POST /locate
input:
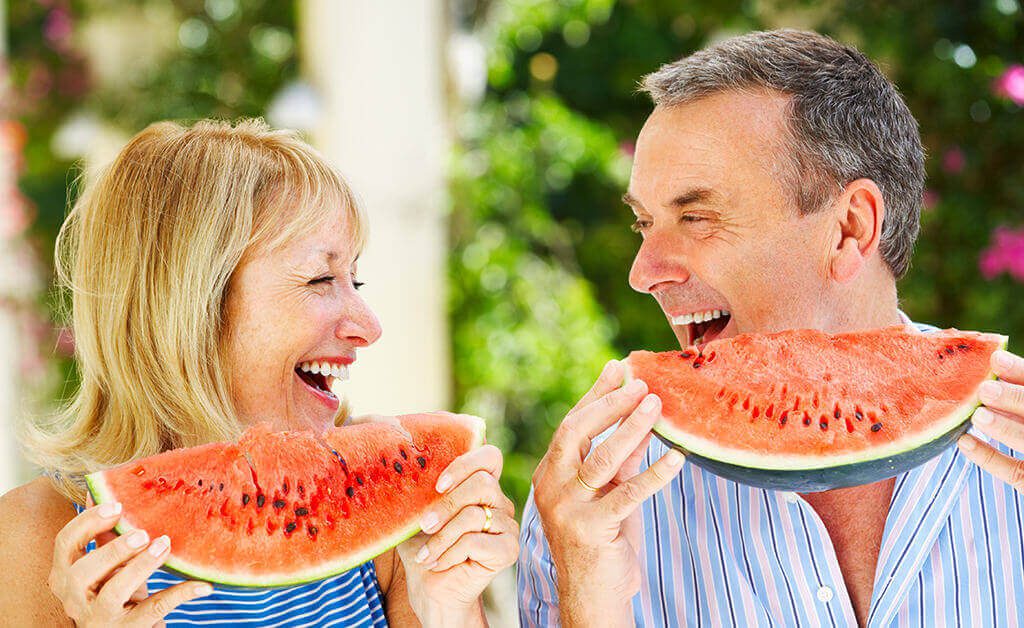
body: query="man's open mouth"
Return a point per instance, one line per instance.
(703, 326)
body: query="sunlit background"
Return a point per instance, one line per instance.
(490, 143)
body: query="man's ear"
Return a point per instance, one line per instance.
(859, 212)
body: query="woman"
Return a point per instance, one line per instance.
(206, 264)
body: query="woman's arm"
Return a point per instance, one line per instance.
(31, 515)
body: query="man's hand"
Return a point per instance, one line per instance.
(1001, 417)
(589, 504)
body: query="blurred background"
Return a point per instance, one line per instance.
(490, 143)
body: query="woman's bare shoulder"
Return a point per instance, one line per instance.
(37, 502)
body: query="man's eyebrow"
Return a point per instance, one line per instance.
(630, 200)
(694, 195)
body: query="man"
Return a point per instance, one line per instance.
(778, 182)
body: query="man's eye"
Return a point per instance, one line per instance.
(639, 225)
(690, 218)
(324, 279)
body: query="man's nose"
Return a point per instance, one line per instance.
(658, 261)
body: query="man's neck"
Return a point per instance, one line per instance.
(867, 302)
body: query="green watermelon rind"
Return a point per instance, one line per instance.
(818, 473)
(101, 493)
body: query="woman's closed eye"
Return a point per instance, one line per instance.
(329, 278)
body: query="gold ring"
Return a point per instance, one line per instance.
(487, 519)
(583, 483)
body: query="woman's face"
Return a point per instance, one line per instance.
(293, 323)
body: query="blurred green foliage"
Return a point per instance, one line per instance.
(544, 160)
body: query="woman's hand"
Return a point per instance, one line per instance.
(468, 537)
(1001, 417)
(107, 586)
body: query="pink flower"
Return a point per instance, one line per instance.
(954, 160)
(65, 342)
(1011, 84)
(931, 198)
(57, 27)
(627, 148)
(1004, 255)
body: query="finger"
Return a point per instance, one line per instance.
(624, 499)
(571, 441)
(1008, 367)
(1004, 396)
(121, 587)
(607, 458)
(155, 607)
(493, 551)
(631, 466)
(98, 565)
(609, 379)
(471, 519)
(1005, 428)
(487, 458)
(1007, 469)
(73, 538)
(478, 489)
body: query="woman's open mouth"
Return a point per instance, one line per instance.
(319, 378)
(703, 326)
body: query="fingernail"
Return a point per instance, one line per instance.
(159, 546)
(967, 443)
(609, 368)
(422, 554)
(635, 386)
(432, 564)
(204, 589)
(443, 482)
(983, 416)
(1003, 359)
(429, 521)
(649, 404)
(990, 391)
(674, 458)
(137, 539)
(110, 509)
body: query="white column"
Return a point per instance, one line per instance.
(379, 68)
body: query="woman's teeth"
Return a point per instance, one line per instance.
(338, 371)
(699, 317)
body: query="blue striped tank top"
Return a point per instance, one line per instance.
(352, 599)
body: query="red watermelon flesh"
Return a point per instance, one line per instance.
(282, 508)
(803, 400)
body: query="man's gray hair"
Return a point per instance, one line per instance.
(847, 121)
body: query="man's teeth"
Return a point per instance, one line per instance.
(699, 317)
(337, 371)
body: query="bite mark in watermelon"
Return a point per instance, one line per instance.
(279, 509)
(806, 411)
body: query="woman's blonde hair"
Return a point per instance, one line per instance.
(147, 252)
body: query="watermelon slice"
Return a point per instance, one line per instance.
(807, 411)
(284, 508)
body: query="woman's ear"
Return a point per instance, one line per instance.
(859, 212)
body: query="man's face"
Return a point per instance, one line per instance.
(721, 233)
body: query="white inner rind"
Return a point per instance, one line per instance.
(102, 493)
(798, 462)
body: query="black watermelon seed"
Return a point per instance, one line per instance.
(359, 480)
(279, 503)
(962, 347)
(302, 490)
(404, 455)
(200, 482)
(782, 419)
(384, 461)
(696, 364)
(823, 425)
(420, 460)
(950, 350)
(221, 486)
(311, 530)
(875, 427)
(686, 355)
(837, 413)
(940, 355)
(398, 466)
(290, 527)
(351, 492)
(301, 512)
(260, 500)
(245, 499)
(859, 415)
(284, 487)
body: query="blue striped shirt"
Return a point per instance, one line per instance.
(718, 553)
(349, 599)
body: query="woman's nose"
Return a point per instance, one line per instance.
(359, 325)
